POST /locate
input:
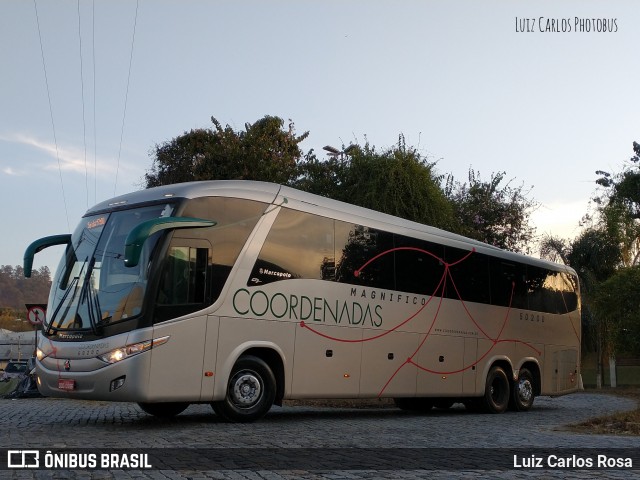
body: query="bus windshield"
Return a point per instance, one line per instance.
(92, 286)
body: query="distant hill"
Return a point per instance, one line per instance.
(15, 290)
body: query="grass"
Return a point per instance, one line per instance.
(622, 423)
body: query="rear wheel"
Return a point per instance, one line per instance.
(496, 392)
(522, 396)
(250, 392)
(165, 409)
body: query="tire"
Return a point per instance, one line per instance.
(496, 391)
(414, 404)
(522, 394)
(164, 410)
(250, 392)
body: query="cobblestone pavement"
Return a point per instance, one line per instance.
(71, 424)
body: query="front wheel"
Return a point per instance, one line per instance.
(496, 392)
(164, 409)
(523, 395)
(250, 392)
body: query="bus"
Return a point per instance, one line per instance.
(242, 294)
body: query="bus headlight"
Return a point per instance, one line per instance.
(40, 354)
(119, 354)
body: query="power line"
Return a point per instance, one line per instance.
(84, 123)
(126, 96)
(95, 128)
(53, 125)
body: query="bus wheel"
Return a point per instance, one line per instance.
(165, 409)
(413, 404)
(250, 392)
(496, 392)
(522, 395)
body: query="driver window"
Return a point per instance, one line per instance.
(184, 279)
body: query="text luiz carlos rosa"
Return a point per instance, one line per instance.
(573, 461)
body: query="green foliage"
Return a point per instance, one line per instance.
(15, 290)
(493, 211)
(616, 304)
(595, 256)
(618, 207)
(603, 254)
(397, 181)
(263, 151)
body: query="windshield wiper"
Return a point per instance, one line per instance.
(64, 297)
(73, 284)
(93, 307)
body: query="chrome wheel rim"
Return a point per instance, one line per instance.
(246, 389)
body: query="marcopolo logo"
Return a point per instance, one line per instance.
(23, 459)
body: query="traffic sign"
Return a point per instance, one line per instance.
(36, 313)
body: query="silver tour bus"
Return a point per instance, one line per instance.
(243, 294)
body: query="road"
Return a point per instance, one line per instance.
(311, 442)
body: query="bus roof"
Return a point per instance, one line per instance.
(299, 200)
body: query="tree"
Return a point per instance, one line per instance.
(397, 181)
(15, 290)
(616, 303)
(493, 211)
(618, 206)
(263, 151)
(595, 255)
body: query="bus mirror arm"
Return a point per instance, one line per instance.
(39, 245)
(136, 238)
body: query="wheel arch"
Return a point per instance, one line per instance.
(500, 361)
(272, 358)
(268, 352)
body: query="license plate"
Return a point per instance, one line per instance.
(67, 384)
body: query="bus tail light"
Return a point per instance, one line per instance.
(119, 354)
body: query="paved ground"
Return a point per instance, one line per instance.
(310, 443)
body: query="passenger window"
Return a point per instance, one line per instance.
(299, 245)
(235, 220)
(470, 276)
(356, 245)
(419, 268)
(508, 284)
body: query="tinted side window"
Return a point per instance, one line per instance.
(356, 245)
(419, 268)
(235, 219)
(508, 283)
(469, 280)
(299, 245)
(551, 291)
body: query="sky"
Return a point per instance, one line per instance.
(89, 87)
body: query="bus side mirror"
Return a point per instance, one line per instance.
(39, 245)
(136, 238)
